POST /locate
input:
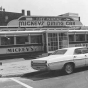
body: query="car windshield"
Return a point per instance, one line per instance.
(59, 52)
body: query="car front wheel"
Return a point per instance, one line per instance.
(68, 68)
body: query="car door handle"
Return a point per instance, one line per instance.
(85, 55)
(74, 56)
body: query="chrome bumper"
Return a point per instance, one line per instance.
(39, 65)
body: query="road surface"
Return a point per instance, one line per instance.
(56, 79)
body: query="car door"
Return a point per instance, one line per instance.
(79, 58)
(85, 52)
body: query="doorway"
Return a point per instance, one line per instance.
(63, 40)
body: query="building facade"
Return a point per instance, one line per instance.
(54, 30)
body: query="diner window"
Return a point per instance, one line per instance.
(71, 38)
(8, 40)
(36, 39)
(22, 40)
(80, 37)
(86, 37)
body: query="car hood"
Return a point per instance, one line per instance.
(51, 58)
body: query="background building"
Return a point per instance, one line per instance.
(75, 16)
(6, 17)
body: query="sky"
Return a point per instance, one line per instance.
(48, 7)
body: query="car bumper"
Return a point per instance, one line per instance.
(39, 66)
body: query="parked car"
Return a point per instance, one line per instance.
(67, 59)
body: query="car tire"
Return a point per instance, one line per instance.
(68, 68)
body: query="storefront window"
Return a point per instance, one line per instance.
(36, 39)
(63, 40)
(71, 38)
(80, 37)
(86, 37)
(52, 41)
(9, 40)
(22, 40)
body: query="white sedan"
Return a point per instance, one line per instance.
(67, 59)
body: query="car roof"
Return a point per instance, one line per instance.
(70, 50)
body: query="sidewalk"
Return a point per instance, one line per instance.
(16, 68)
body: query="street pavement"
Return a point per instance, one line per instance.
(15, 68)
(78, 79)
(18, 73)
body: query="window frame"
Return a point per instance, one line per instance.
(22, 36)
(38, 35)
(7, 40)
(81, 49)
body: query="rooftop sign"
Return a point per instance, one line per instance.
(46, 21)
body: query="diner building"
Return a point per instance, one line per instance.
(54, 29)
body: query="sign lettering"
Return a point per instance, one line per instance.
(45, 23)
(70, 23)
(82, 44)
(77, 45)
(21, 49)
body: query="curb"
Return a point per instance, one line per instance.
(14, 75)
(17, 75)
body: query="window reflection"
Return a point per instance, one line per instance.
(71, 37)
(22, 40)
(7, 40)
(36, 39)
(80, 37)
(63, 51)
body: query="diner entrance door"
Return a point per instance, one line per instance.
(57, 41)
(63, 40)
(52, 41)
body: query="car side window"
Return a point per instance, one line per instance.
(85, 50)
(78, 51)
